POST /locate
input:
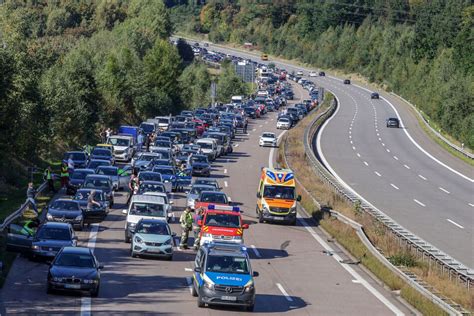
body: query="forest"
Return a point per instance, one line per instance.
(70, 68)
(420, 49)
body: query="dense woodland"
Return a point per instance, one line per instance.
(421, 49)
(70, 68)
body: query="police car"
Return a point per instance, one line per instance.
(223, 276)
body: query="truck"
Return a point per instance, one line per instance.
(129, 130)
(222, 223)
(276, 196)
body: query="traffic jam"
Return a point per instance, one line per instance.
(149, 165)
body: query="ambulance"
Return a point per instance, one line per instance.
(276, 196)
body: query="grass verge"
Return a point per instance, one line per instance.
(376, 232)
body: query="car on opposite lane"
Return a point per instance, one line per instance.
(393, 122)
(75, 269)
(268, 139)
(283, 123)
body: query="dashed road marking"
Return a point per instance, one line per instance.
(365, 163)
(394, 186)
(226, 184)
(395, 157)
(352, 142)
(406, 166)
(383, 144)
(353, 147)
(377, 173)
(388, 150)
(454, 223)
(282, 290)
(358, 155)
(225, 171)
(188, 269)
(254, 130)
(86, 301)
(236, 145)
(444, 190)
(418, 202)
(470, 204)
(189, 281)
(257, 253)
(260, 126)
(422, 177)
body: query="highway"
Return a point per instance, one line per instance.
(297, 274)
(402, 172)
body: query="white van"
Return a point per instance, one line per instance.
(208, 147)
(124, 147)
(144, 206)
(164, 122)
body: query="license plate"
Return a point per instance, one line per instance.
(229, 298)
(72, 286)
(279, 218)
(50, 249)
(154, 250)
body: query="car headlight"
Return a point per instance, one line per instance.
(49, 217)
(35, 247)
(208, 284)
(293, 210)
(207, 235)
(166, 181)
(138, 240)
(58, 279)
(266, 209)
(168, 242)
(79, 217)
(87, 281)
(237, 237)
(249, 288)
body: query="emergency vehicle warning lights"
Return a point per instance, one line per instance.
(223, 208)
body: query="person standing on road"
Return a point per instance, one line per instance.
(70, 165)
(48, 176)
(30, 196)
(64, 176)
(197, 227)
(140, 139)
(186, 221)
(133, 184)
(245, 126)
(108, 133)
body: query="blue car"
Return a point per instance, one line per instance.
(79, 158)
(101, 153)
(223, 276)
(152, 238)
(168, 174)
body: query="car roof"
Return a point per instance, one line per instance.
(107, 167)
(151, 182)
(225, 249)
(153, 220)
(121, 136)
(77, 250)
(141, 198)
(56, 225)
(98, 160)
(64, 200)
(97, 176)
(84, 170)
(89, 190)
(213, 192)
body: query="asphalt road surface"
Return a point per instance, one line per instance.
(402, 172)
(297, 274)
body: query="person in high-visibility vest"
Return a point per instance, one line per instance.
(186, 221)
(64, 176)
(48, 176)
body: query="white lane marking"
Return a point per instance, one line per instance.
(395, 157)
(380, 139)
(230, 200)
(383, 144)
(454, 223)
(350, 132)
(406, 166)
(260, 126)
(388, 150)
(257, 253)
(282, 290)
(226, 184)
(377, 173)
(270, 156)
(86, 301)
(365, 163)
(352, 142)
(266, 122)
(358, 155)
(189, 280)
(349, 269)
(254, 130)
(444, 190)
(350, 136)
(418, 202)
(353, 147)
(188, 269)
(356, 281)
(378, 134)
(394, 186)
(470, 204)
(422, 177)
(416, 144)
(225, 171)
(236, 145)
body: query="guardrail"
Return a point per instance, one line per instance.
(10, 218)
(435, 132)
(427, 251)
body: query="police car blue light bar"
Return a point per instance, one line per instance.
(223, 208)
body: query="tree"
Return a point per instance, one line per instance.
(229, 84)
(195, 83)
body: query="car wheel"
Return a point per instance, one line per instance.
(127, 239)
(49, 289)
(169, 258)
(81, 226)
(193, 290)
(200, 303)
(250, 308)
(260, 216)
(95, 292)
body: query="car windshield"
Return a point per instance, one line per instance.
(64, 205)
(227, 264)
(148, 187)
(199, 159)
(214, 198)
(149, 176)
(162, 144)
(198, 190)
(165, 171)
(79, 175)
(284, 120)
(279, 192)
(222, 220)
(163, 120)
(108, 171)
(97, 183)
(119, 141)
(268, 135)
(54, 233)
(95, 164)
(83, 195)
(147, 209)
(74, 260)
(205, 145)
(147, 128)
(147, 157)
(153, 228)
(206, 182)
(101, 152)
